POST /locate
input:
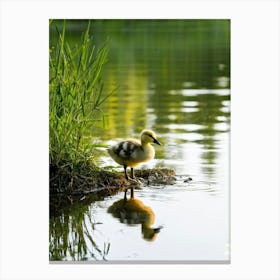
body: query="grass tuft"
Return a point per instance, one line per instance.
(76, 96)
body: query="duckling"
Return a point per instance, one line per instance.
(132, 152)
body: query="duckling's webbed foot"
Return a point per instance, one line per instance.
(134, 182)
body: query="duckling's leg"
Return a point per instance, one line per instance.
(132, 176)
(125, 166)
(126, 179)
(132, 173)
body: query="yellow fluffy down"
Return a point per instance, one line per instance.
(132, 152)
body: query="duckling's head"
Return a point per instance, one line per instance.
(148, 136)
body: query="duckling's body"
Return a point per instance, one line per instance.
(132, 152)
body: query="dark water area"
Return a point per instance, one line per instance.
(171, 76)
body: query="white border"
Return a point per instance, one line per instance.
(254, 138)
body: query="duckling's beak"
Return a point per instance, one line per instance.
(156, 141)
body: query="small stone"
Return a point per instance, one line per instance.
(189, 179)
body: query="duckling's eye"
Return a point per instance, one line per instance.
(151, 136)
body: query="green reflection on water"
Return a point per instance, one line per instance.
(72, 229)
(150, 58)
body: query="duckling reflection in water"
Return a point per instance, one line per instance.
(132, 152)
(133, 211)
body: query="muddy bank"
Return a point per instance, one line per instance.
(99, 184)
(65, 181)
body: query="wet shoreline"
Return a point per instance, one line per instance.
(105, 183)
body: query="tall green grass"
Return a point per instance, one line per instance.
(75, 97)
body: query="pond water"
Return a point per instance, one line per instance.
(173, 77)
